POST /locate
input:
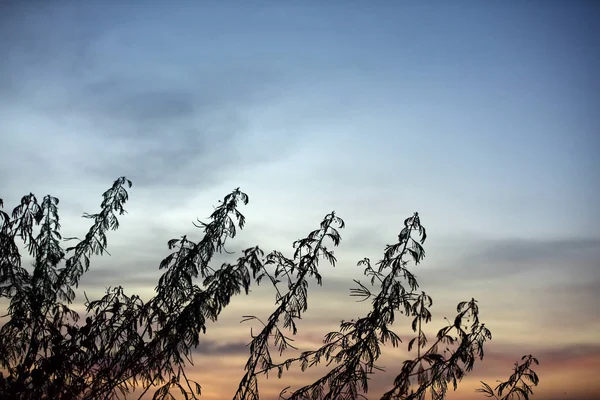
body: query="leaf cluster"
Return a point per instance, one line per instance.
(519, 384)
(49, 351)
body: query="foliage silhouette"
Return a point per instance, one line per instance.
(124, 344)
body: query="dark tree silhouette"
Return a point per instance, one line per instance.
(47, 352)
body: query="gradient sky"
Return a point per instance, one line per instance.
(481, 116)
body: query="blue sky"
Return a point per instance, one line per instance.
(482, 116)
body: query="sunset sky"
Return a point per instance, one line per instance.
(481, 116)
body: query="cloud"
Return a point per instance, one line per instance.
(524, 251)
(143, 103)
(101, 99)
(550, 356)
(494, 260)
(211, 347)
(154, 136)
(99, 276)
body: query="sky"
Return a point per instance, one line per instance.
(481, 116)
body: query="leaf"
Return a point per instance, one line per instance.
(458, 322)
(486, 389)
(410, 344)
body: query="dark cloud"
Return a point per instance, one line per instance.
(175, 136)
(504, 352)
(102, 277)
(563, 354)
(497, 259)
(211, 347)
(125, 100)
(112, 66)
(524, 251)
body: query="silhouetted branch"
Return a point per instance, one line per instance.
(518, 384)
(124, 343)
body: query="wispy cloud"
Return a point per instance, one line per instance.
(501, 259)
